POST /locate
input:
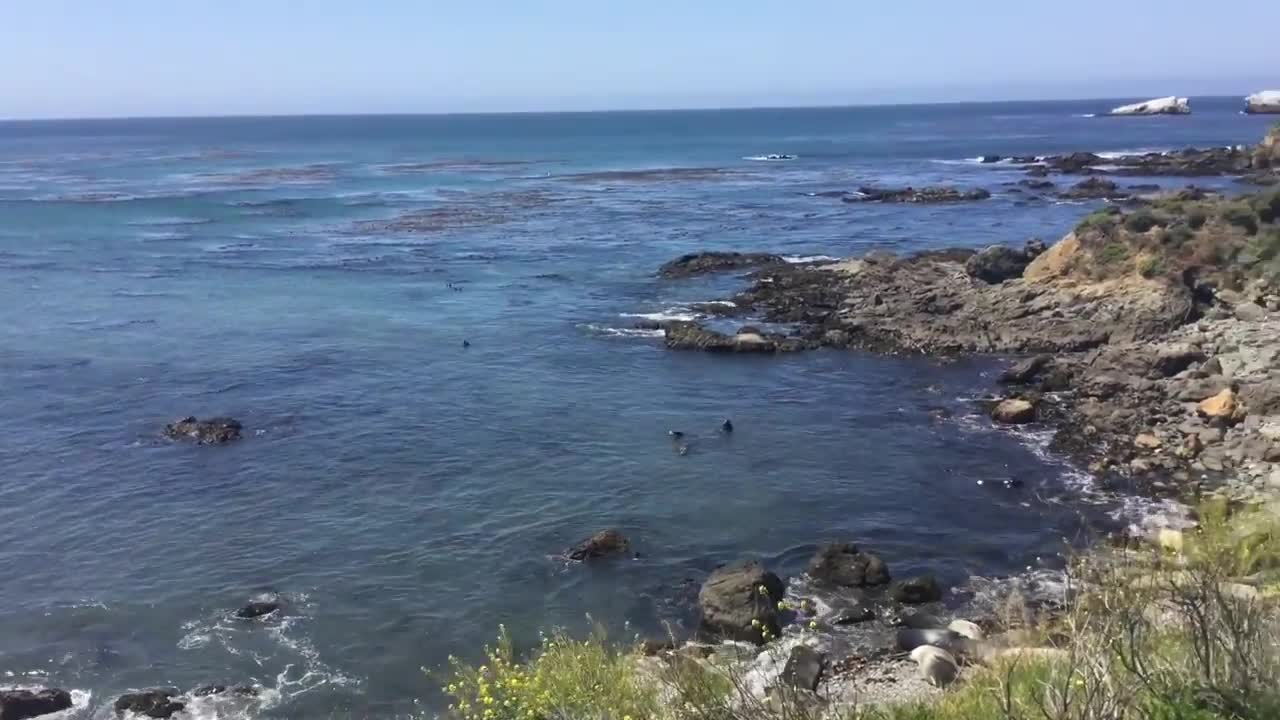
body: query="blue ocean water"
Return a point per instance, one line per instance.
(316, 278)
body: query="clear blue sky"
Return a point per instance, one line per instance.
(76, 58)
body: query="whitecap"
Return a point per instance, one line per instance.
(621, 332)
(771, 157)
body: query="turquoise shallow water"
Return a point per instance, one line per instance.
(405, 494)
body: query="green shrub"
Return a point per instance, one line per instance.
(1102, 220)
(1196, 218)
(1242, 216)
(1140, 221)
(1150, 266)
(1177, 235)
(1112, 253)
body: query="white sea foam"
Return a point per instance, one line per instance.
(621, 332)
(772, 157)
(807, 259)
(669, 315)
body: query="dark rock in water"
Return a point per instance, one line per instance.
(989, 159)
(916, 195)
(740, 602)
(1025, 371)
(603, 543)
(257, 609)
(1024, 159)
(708, 262)
(726, 426)
(1074, 163)
(916, 590)
(24, 704)
(1014, 411)
(214, 431)
(1038, 184)
(853, 615)
(1037, 171)
(804, 668)
(843, 564)
(152, 703)
(242, 690)
(1094, 189)
(1034, 248)
(997, 263)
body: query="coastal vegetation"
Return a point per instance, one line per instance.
(1184, 629)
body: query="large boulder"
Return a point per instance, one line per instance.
(213, 431)
(843, 564)
(916, 590)
(603, 543)
(1171, 105)
(692, 336)
(151, 703)
(708, 262)
(1014, 411)
(804, 668)
(740, 602)
(1094, 188)
(24, 704)
(997, 263)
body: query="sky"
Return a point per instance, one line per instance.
(111, 58)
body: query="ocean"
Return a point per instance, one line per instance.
(316, 277)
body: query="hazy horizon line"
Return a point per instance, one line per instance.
(593, 111)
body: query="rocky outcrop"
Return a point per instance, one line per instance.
(1094, 188)
(997, 263)
(708, 262)
(602, 544)
(692, 336)
(741, 602)
(214, 431)
(916, 195)
(24, 704)
(843, 564)
(1265, 102)
(149, 703)
(804, 668)
(1171, 105)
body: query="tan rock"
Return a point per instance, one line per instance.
(1147, 441)
(1055, 261)
(1222, 406)
(1014, 411)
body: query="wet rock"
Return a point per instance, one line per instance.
(1025, 371)
(657, 646)
(845, 565)
(24, 704)
(708, 262)
(804, 668)
(916, 590)
(741, 602)
(214, 431)
(151, 703)
(1014, 411)
(997, 263)
(691, 336)
(602, 544)
(853, 615)
(916, 195)
(257, 609)
(1094, 189)
(1038, 184)
(241, 690)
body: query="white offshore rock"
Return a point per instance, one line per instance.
(1171, 105)
(1267, 101)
